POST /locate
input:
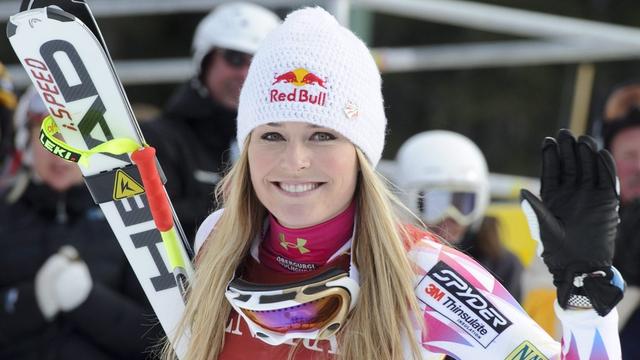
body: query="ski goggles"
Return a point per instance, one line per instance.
(315, 308)
(435, 205)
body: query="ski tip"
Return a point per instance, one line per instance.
(33, 17)
(56, 13)
(11, 29)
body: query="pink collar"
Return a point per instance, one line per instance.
(296, 250)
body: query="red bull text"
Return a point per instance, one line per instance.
(299, 78)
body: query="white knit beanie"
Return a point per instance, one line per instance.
(312, 69)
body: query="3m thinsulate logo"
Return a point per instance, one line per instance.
(448, 293)
(299, 85)
(434, 292)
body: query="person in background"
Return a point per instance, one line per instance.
(621, 135)
(7, 106)
(197, 127)
(443, 177)
(66, 289)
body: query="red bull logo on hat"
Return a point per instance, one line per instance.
(303, 86)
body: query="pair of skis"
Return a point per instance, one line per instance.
(61, 48)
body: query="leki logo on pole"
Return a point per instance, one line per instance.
(59, 148)
(298, 245)
(306, 87)
(125, 186)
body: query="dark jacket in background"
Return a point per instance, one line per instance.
(192, 139)
(484, 246)
(627, 260)
(627, 254)
(115, 322)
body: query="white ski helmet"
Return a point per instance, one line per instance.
(236, 26)
(443, 174)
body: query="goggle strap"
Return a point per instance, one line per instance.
(243, 285)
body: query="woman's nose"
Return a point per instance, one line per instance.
(297, 156)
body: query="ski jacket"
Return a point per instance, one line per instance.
(115, 322)
(192, 139)
(466, 312)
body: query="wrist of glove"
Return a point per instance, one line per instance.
(63, 283)
(599, 289)
(575, 222)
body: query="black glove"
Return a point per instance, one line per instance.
(575, 223)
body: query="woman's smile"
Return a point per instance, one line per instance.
(297, 189)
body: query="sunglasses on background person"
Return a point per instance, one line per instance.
(236, 59)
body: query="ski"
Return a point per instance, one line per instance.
(78, 8)
(72, 71)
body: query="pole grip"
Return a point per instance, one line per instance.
(145, 160)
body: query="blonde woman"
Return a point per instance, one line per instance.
(308, 258)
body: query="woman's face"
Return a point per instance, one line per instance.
(302, 173)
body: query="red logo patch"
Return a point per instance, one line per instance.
(434, 292)
(303, 86)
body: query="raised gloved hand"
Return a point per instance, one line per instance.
(62, 283)
(575, 223)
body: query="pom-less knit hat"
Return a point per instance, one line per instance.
(312, 69)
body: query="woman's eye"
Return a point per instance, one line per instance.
(272, 136)
(323, 136)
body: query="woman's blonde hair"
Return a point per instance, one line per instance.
(387, 308)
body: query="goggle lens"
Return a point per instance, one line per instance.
(309, 316)
(464, 202)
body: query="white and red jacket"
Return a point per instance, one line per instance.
(466, 312)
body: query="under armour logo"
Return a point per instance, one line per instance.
(298, 245)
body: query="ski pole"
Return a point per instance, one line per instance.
(145, 159)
